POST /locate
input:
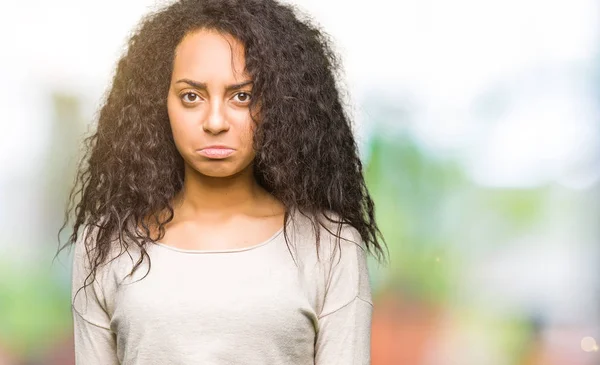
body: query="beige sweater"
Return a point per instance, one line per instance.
(242, 306)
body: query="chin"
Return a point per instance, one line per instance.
(219, 168)
(217, 174)
(227, 170)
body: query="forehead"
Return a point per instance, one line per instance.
(208, 54)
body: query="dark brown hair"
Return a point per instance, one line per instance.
(306, 154)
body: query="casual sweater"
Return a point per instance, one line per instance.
(268, 304)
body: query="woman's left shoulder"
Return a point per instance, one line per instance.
(336, 240)
(346, 263)
(341, 233)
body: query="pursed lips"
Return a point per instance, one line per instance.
(216, 151)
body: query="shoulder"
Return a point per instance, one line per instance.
(112, 259)
(325, 238)
(339, 274)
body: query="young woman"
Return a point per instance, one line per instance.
(224, 213)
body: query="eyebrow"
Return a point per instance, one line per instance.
(202, 85)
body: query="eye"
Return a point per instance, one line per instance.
(190, 97)
(243, 97)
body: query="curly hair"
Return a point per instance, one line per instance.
(306, 154)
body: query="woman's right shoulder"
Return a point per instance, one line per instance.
(115, 257)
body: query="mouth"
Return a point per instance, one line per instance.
(216, 152)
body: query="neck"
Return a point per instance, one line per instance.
(206, 195)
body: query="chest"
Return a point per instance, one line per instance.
(240, 235)
(214, 296)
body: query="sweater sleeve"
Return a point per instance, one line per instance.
(95, 343)
(344, 335)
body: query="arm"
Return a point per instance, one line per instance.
(95, 343)
(344, 335)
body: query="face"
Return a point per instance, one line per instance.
(208, 104)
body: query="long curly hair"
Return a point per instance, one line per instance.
(306, 154)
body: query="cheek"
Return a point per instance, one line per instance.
(247, 134)
(178, 122)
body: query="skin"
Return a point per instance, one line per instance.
(221, 206)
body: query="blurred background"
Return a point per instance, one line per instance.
(478, 123)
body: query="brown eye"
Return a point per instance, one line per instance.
(190, 97)
(243, 97)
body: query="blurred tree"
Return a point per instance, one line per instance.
(411, 192)
(35, 296)
(59, 171)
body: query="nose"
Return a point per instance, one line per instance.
(215, 122)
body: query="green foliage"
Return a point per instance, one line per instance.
(410, 190)
(430, 215)
(34, 306)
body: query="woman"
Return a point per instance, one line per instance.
(224, 165)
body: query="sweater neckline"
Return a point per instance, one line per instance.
(224, 251)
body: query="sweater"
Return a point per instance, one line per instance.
(268, 304)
